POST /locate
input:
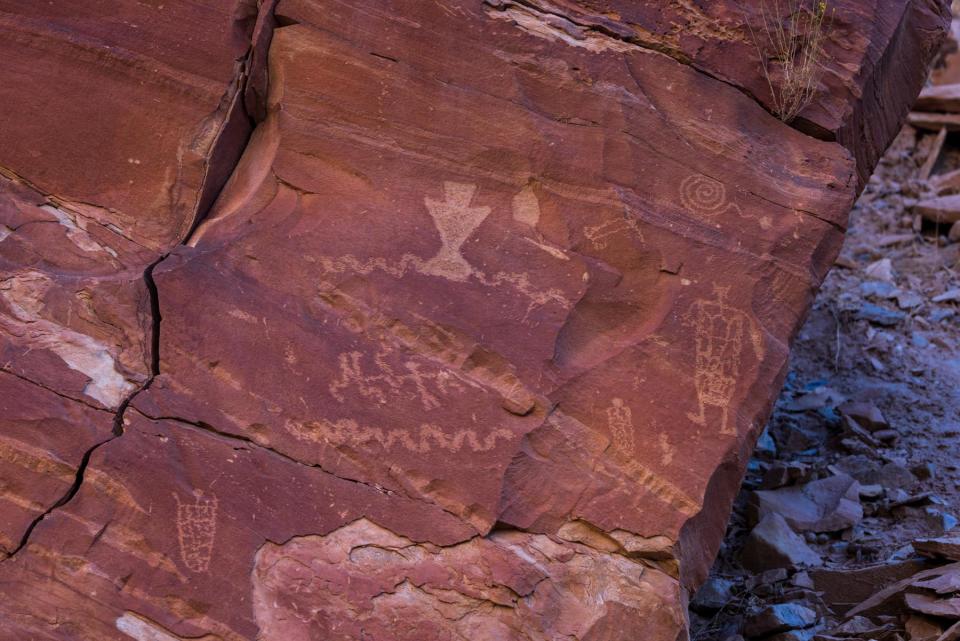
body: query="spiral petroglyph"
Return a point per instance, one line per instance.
(704, 195)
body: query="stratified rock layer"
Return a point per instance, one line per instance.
(473, 343)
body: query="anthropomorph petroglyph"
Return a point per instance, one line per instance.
(455, 220)
(719, 332)
(196, 530)
(420, 439)
(418, 381)
(622, 436)
(620, 421)
(705, 196)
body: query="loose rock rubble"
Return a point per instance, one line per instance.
(846, 527)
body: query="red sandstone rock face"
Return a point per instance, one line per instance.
(473, 344)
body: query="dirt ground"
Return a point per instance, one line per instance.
(885, 330)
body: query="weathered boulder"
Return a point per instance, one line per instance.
(473, 343)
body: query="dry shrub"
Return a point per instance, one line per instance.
(790, 44)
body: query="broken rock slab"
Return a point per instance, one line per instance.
(777, 618)
(773, 544)
(827, 505)
(436, 309)
(943, 210)
(947, 547)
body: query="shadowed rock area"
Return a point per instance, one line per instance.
(397, 319)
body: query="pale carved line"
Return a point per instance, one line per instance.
(622, 432)
(419, 440)
(196, 530)
(705, 196)
(719, 331)
(455, 220)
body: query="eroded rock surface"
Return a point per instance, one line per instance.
(473, 343)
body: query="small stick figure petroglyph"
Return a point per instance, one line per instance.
(620, 420)
(196, 529)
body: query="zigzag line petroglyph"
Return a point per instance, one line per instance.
(420, 439)
(455, 221)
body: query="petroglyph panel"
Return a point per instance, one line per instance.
(418, 380)
(456, 219)
(196, 529)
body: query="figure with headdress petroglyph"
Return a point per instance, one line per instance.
(455, 220)
(719, 331)
(196, 530)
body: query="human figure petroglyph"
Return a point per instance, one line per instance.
(388, 383)
(196, 530)
(705, 196)
(420, 439)
(620, 421)
(455, 218)
(719, 332)
(622, 434)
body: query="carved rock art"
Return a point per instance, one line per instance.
(722, 333)
(397, 319)
(455, 221)
(196, 530)
(705, 196)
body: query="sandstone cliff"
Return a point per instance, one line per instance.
(397, 319)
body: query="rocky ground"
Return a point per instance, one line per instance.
(858, 468)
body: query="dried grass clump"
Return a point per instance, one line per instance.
(791, 51)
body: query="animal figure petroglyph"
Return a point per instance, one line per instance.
(705, 196)
(719, 332)
(600, 235)
(388, 383)
(420, 439)
(455, 219)
(196, 530)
